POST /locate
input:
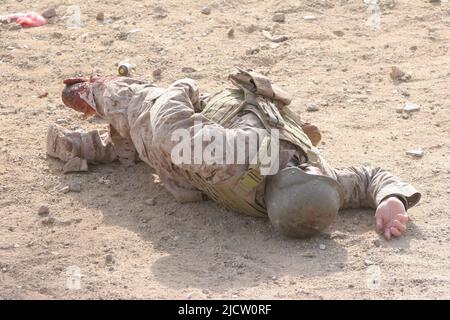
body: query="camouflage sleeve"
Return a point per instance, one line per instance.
(367, 187)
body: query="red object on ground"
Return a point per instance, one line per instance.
(30, 19)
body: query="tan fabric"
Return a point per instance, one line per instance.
(149, 115)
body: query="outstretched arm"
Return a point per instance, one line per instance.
(367, 187)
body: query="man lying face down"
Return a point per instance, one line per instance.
(241, 147)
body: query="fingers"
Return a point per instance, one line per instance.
(387, 233)
(395, 232)
(402, 218)
(399, 226)
(379, 223)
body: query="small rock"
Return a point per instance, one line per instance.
(127, 34)
(368, 262)
(398, 75)
(309, 18)
(157, 73)
(411, 107)
(276, 39)
(206, 10)
(376, 242)
(75, 187)
(43, 210)
(399, 110)
(351, 286)
(150, 202)
(338, 33)
(100, 16)
(49, 13)
(279, 17)
(188, 70)
(230, 33)
(109, 258)
(189, 296)
(417, 153)
(312, 107)
(250, 28)
(252, 51)
(65, 189)
(322, 247)
(405, 116)
(338, 235)
(61, 121)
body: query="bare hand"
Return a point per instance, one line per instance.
(391, 218)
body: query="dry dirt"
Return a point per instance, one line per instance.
(125, 248)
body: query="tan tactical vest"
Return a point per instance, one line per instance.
(239, 193)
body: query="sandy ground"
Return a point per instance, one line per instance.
(124, 248)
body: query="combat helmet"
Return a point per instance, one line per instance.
(300, 204)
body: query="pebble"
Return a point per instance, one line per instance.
(49, 13)
(338, 235)
(311, 107)
(206, 10)
(189, 296)
(61, 121)
(150, 202)
(411, 107)
(100, 16)
(322, 247)
(75, 187)
(376, 242)
(188, 70)
(309, 18)
(368, 262)
(276, 39)
(109, 258)
(157, 73)
(252, 51)
(399, 75)
(127, 34)
(230, 33)
(43, 210)
(338, 33)
(417, 153)
(279, 17)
